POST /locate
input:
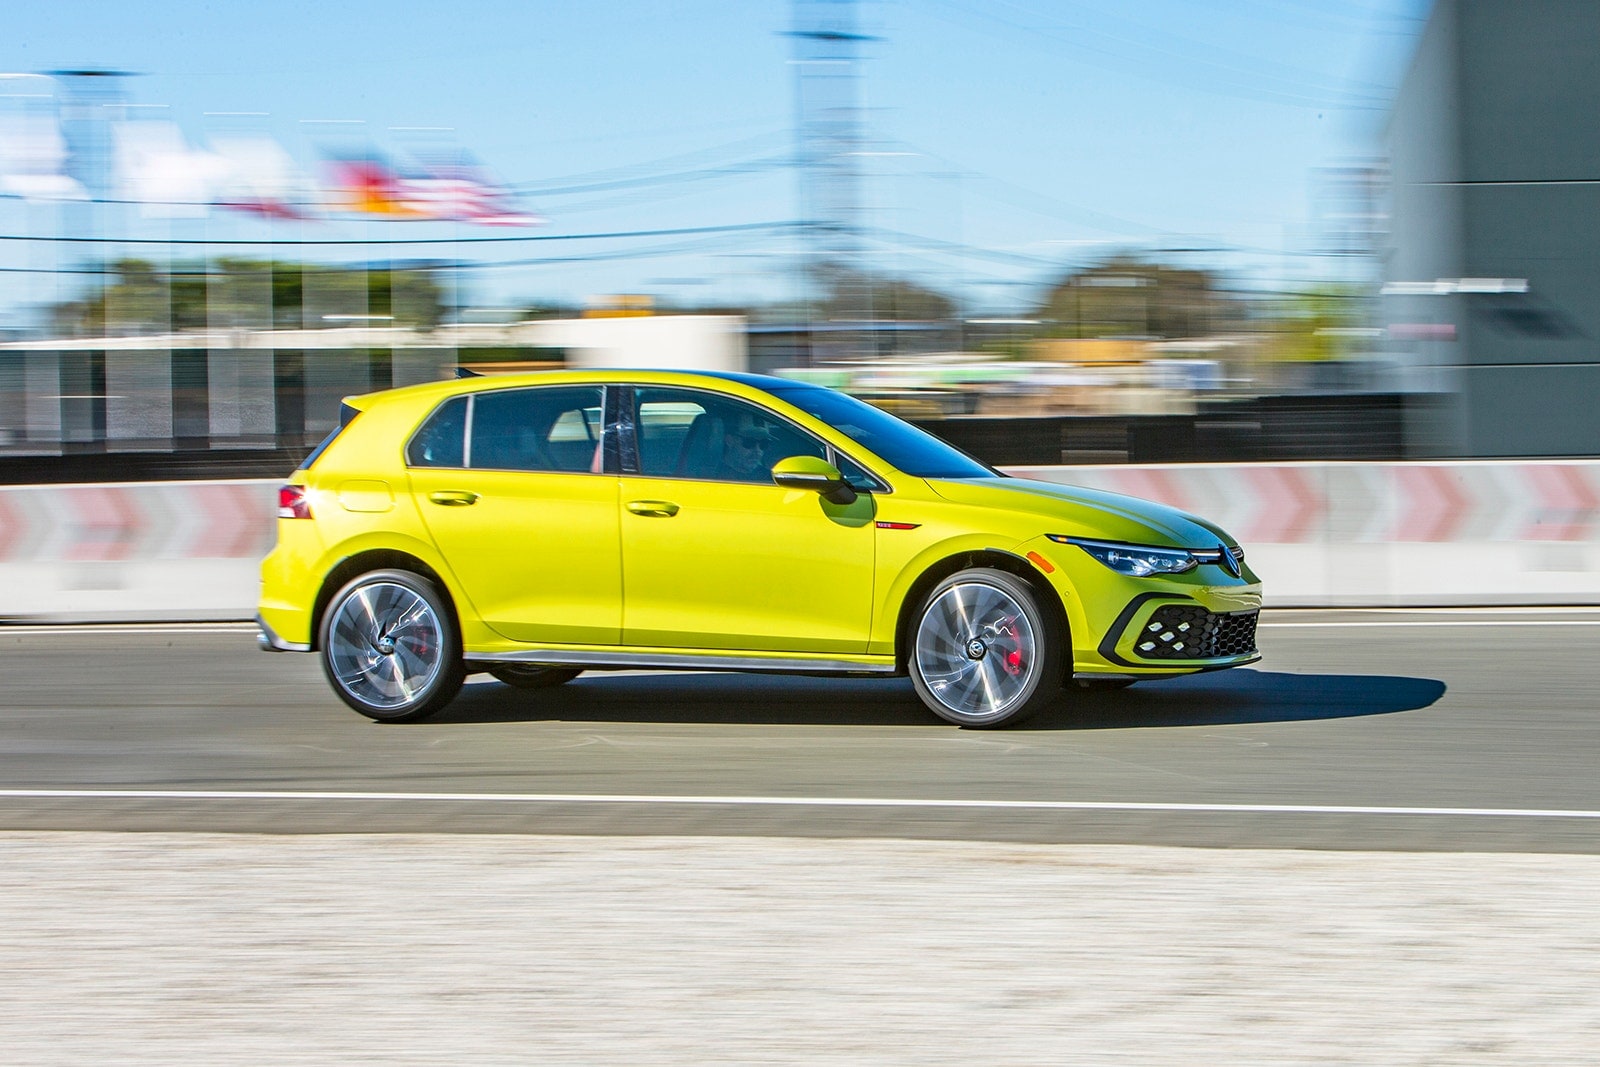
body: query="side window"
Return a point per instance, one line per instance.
(551, 428)
(442, 440)
(662, 428)
(688, 434)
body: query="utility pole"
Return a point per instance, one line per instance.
(833, 276)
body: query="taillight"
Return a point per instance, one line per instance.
(293, 502)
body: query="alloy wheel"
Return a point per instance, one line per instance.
(977, 651)
(386, 647)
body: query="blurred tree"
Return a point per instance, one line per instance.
(1127, 296)
(854, 295)
(139, 298)
(548, 310)
(1317, 325)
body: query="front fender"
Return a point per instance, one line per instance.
(900, 567)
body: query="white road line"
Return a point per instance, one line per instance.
(790, 802)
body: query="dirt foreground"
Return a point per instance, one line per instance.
(443, 949)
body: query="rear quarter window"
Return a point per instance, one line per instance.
(441, 440)
(347, 415)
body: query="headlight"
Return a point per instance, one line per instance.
(1136, 561)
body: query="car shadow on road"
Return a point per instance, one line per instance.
(723, 699)
(1226, 697)
(1239, 697)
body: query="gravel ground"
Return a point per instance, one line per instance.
(438, 949)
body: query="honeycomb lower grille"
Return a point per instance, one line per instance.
(1180, 631)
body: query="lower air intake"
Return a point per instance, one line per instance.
(1180, 631)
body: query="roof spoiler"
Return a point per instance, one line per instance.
(468, 372)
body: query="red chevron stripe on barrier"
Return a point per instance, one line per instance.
(12, 527)
(112, 523)
(108, 522)
(1568, 504)
(1154, 483)
(1476, 502)
(235, 525)
(1431, 503)
(1289, 507)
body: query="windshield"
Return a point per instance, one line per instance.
(899, 443)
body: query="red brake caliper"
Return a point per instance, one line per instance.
(1013, 658)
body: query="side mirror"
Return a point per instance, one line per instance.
(818, 475)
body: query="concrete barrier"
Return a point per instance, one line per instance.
(134, 551)
(1390, 534)
(1351, 534)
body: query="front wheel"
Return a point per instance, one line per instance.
(390, 646)
(985, 652)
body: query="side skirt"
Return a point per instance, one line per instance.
(674, 661)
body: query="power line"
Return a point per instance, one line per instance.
(381, 242)
(680, 160)
(1237, 85)
(744, 167)
(688, 248)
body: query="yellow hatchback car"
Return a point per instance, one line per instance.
(537, 525)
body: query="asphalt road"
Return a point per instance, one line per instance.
(1448, 730)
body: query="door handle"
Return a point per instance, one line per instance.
(661, 509)
(453, 498)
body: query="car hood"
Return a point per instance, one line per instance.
(1080, 512)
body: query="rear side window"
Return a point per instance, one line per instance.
(551, 428)
(442, 440)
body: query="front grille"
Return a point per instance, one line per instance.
(1184, 631)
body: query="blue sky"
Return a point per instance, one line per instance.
(1048, 131)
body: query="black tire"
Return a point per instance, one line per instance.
(390, 646)
(524, 676)
(983, 650)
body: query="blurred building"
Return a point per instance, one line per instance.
(1492, 277)
(241, 389)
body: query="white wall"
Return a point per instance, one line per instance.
(646, 342)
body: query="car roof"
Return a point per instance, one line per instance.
(759, 381)
(576, 376)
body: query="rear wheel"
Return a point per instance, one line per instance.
(390, 646)
(528, 677)
(985, 652)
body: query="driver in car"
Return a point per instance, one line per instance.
(744, 444)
